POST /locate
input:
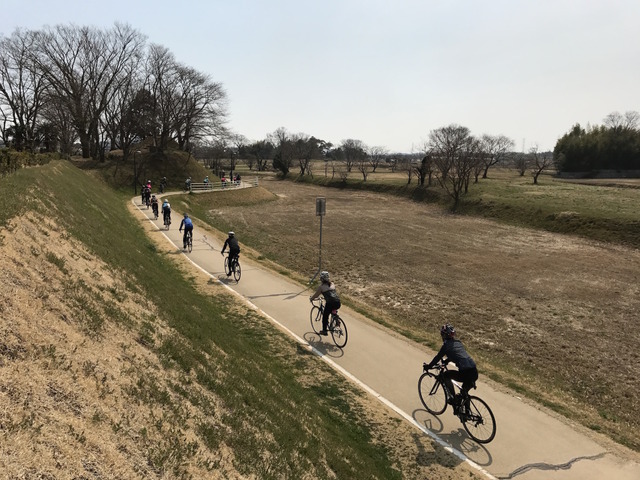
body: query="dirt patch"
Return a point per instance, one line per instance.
(546, 313)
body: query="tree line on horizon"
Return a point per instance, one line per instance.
(109, 89)
(105, 89)
(615, 145)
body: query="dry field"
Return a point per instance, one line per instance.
(551, 315)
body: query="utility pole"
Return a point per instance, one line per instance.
(321, 210)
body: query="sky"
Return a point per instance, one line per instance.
(389, 72)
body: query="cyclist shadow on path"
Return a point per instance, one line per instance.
(326, 347)
(458, 438)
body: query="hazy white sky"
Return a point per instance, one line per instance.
(388, 72)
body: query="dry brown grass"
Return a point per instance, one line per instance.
(72, 376)
(553, 315)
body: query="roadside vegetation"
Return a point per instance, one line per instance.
(126, 364)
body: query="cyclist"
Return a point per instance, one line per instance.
(154, 205)
(166, 211)
(187, 184)
(332, 301)
(188, 228)
(147, 195)
(163, 184)
(455, 352)
(234, 251)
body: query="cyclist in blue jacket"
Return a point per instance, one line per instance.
(188, 228)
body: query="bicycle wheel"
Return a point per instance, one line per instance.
(479, 421)
(432, 394)
(339, 331)
(316, 319)
(190, 242)
(237, 272)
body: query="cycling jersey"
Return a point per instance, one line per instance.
(186, 223)
(453, 349)
(233, 245)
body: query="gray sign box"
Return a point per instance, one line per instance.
(321, 206)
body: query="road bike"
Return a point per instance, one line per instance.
(234, 269)
(167, 220)
(189, 239)
(154, 207)
(336, 325)
(474, 413)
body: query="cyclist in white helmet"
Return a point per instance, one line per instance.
(332, 301)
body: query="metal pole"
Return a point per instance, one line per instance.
(320, 254)
(135, 175)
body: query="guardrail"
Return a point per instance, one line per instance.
(207, 187)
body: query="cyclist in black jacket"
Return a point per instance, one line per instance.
(453, 349)
(234, 251)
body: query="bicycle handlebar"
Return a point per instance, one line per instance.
(441, 366)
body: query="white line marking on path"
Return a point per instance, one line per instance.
(461, 456)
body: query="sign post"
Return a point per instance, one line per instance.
(321, 210)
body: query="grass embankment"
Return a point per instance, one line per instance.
(229, 394)
(601, 213)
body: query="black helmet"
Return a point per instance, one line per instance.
(447, 331)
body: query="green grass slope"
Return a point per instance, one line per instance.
(278, 411)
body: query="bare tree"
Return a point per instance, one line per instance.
(364, 166)
(454, 151)
(521, 163)
(305, 148)
(284, 152)
(376, 156)
(22, 89)
(200, 109)
(495, 149)
(540, 162)
(352, 150)
(82, 67)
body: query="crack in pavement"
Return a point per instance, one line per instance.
(549, 466)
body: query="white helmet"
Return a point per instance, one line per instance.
(231, 234)
(324, 276)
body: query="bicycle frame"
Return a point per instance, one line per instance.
(319, 302)
(442, 367)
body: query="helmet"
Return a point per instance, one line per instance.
(186, 215)
(153, 196)
(447, 331)
(324, 276)
(231, 234)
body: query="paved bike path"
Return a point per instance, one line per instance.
(529, 444)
